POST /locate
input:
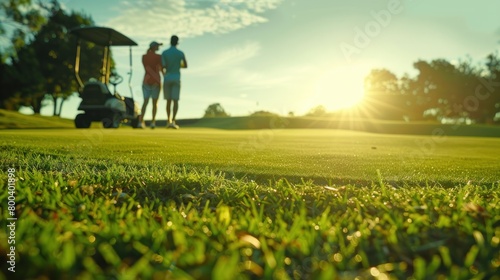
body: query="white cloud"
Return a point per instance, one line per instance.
(228, 59)
(188, 18)
(232, 64)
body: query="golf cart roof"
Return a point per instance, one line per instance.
(103, 36)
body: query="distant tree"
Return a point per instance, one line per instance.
(448, 90)
(489, 95)
(424, 87)
(493, 66)
(263, 113)
(445, 87)
(440, 87)
(381, 82)
(465, 80)
(318, 111)
(214, 111)
(384, 98)
(415, 104)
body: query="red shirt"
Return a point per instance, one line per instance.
(152, 66)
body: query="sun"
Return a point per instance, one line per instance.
(339, 87)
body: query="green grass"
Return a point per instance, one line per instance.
(239, 204)
(346, 123)
(325, 156)
(14, 120)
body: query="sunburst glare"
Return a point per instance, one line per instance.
(339, 87)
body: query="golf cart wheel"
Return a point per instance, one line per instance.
(82, 121)
(112, 121)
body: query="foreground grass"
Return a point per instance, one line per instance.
(173, 206)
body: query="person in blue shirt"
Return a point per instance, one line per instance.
(172, 60)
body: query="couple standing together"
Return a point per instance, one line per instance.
(169, 64)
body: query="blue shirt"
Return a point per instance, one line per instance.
(171, 60)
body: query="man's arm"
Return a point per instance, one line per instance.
(184, 63)
(163, 64)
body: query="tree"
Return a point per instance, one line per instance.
(448, 90)
(22, 81)
(384, 97)
(19, 19)
(55, 50)
(214, 111)
(43, 68)
(382, 82)
(318, 111)
(489, 95)
(445, 86)
(415, 104)
(263, 114)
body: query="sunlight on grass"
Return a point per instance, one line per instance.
(190, 205)
(192, 224)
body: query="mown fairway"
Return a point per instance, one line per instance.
(335, 156)
(283, 204)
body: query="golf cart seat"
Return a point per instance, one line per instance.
(94, 95)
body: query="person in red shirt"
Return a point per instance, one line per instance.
(152, 81)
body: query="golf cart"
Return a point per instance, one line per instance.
(98, 102)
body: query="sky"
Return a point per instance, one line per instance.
(290, 55)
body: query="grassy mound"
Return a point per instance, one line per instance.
(15, 120)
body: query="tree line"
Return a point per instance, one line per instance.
(37, 68)
(38, 56)
(441, 90)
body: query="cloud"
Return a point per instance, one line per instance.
(228, 59)
(231, 68)
(189, 18)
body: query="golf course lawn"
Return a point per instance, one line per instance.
(199, 203)
(335, 156)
